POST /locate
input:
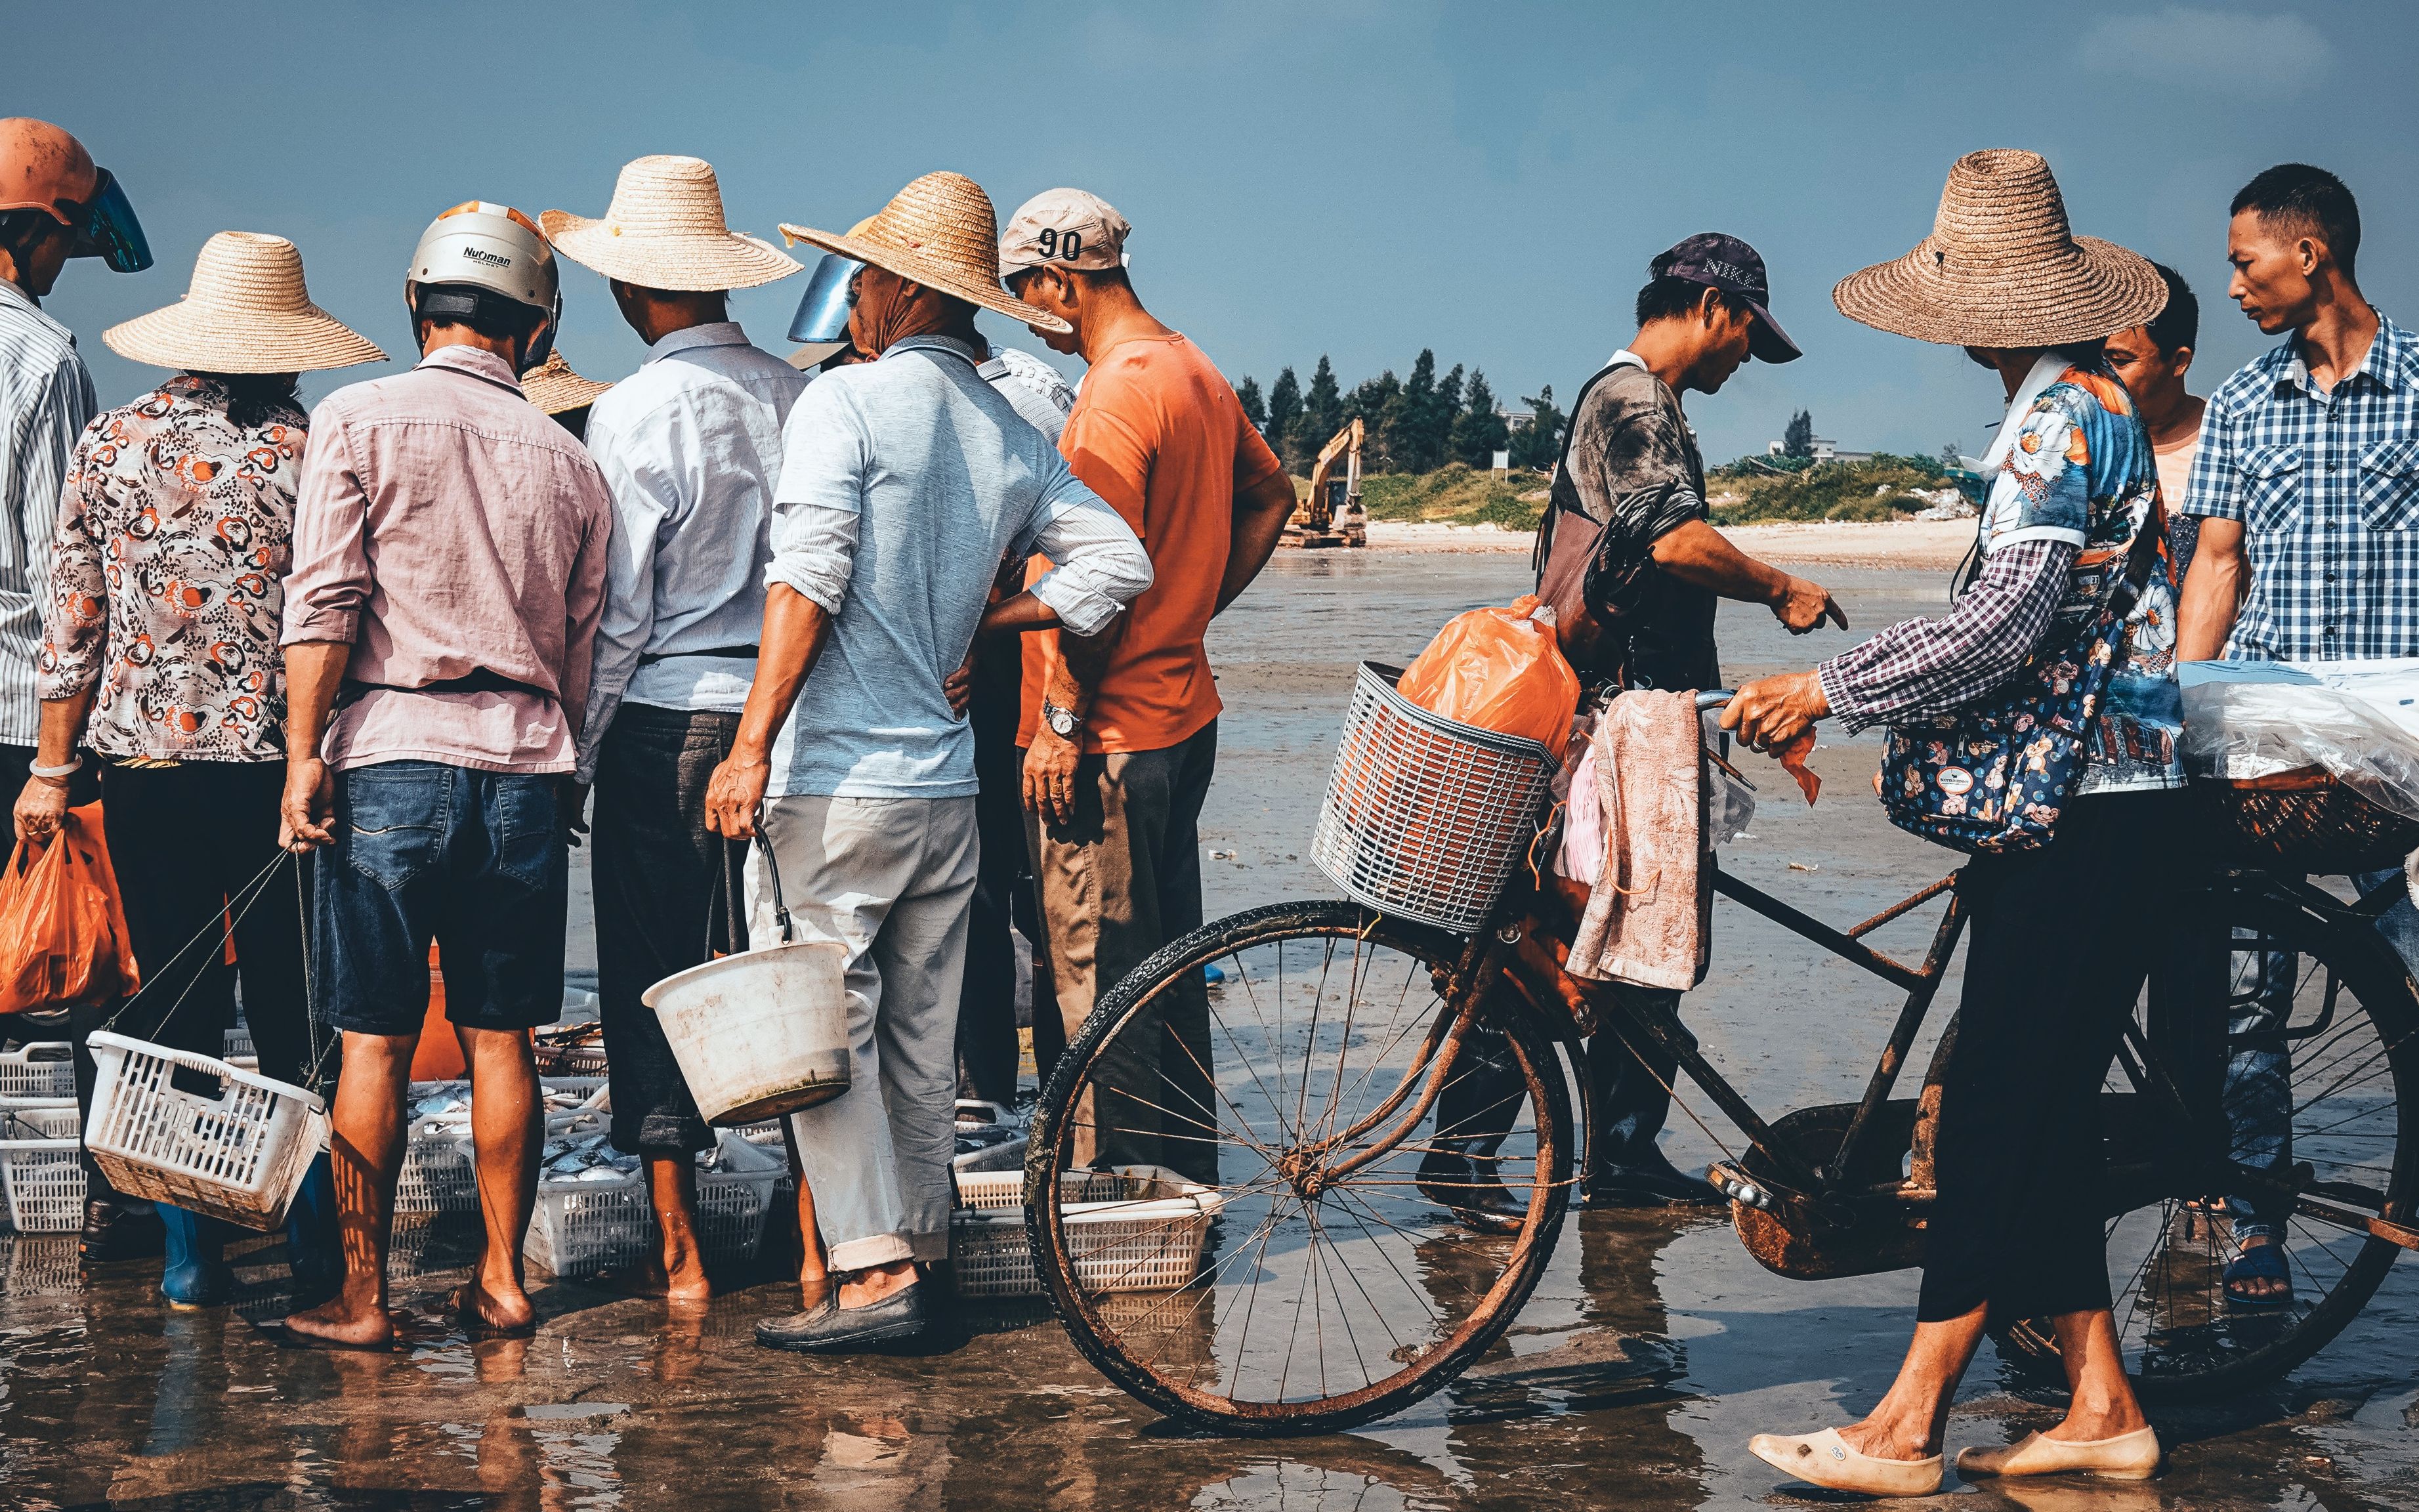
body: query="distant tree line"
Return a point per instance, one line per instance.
(1415, 424)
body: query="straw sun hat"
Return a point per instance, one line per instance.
(2003, 269)
(941, 232)
(246, 311)
(665, 229)
(553, 387)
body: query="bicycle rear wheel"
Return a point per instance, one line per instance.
(1332, 1288)
(2316, 1072)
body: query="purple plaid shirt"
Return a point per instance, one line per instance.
(1928, 666)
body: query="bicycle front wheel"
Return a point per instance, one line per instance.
(1262, 1086)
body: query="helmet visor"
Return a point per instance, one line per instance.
(822, 311)
(105, 227)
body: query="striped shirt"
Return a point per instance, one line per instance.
(2327, 488)
(46, 399)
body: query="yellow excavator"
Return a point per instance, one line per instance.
(1331, 513)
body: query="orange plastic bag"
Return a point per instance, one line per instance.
(62, 928)
(1499, 670)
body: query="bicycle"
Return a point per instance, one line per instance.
(1347, 1043)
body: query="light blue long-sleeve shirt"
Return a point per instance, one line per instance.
(904, 482)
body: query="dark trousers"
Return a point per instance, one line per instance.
(987, 1003)
(660, 907)
(2061, 941)
(1630, 1076)
(183, 842)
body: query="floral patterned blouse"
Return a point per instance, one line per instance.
(167, 578)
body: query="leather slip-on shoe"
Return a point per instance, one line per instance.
(2127, 1457)
(832, 1329)
(1825, 1459)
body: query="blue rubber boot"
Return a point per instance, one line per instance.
(312, 1240)
(197, 1274)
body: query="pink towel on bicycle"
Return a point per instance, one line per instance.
(1646, 921)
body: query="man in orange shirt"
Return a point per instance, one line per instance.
(1121, 731)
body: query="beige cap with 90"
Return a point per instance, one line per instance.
(1063, 228)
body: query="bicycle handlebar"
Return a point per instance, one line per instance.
(1714, 698)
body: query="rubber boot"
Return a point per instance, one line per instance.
(197, 1274)
(313, 1244)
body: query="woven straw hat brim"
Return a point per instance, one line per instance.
(557, 390)
(689, 262)
(2101, 289)
(917, 266)
(217, 340)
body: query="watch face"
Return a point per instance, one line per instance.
(1061, 722)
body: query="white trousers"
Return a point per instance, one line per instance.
(891, 880)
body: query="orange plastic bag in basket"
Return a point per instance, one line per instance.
(62, 929)
(1499, 670)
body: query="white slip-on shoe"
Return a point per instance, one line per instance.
(2127, 1457)
(1825, 1460)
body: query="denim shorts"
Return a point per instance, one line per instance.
(473, 859)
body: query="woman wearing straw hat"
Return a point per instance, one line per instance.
(2064, 931)
(904, 483)
(167, 588)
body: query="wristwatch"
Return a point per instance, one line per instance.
(1062, 722)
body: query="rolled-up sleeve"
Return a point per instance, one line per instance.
(1099, 565)
(331, 581)
(826, 456)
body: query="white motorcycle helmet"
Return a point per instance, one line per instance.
(479, 255)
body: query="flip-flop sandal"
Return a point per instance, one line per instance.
(2263, 1262)
(459, 1307)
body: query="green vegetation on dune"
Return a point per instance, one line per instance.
(1887, 487)
(1456, 494)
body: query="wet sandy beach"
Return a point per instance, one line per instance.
(1654, 1347)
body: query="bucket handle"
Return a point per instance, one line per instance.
(727, 891)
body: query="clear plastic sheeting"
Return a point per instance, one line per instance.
(2240, 726)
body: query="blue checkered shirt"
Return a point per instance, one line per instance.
(2327, 488)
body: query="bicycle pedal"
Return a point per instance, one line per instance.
(1734, 1185)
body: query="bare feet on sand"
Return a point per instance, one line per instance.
(348, 1322)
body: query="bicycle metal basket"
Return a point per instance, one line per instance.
(2306, 820)
(1427, 818)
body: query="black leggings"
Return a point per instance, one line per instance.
(2062, 939)
(182, 840)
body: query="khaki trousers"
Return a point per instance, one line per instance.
(1119, 880)
(889, 879)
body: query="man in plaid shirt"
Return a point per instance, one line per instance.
(2308, 475)
(2309, 484)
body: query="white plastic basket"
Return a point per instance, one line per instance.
(1425, 818)
(41, 1168)
(437, 1174)
(42, 1265)
(44, 1068)
(580, 1228)
(240, 1155)
(238, 1043)
(570, 1059)
(1133, 1228)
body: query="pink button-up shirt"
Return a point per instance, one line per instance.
(446, 528)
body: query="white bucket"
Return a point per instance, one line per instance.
(758, 1034)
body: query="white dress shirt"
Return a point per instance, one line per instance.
(46, 399)
(690, 445)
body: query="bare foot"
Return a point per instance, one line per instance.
(489, 1312)
(681, 1272)
(2259, 1287)
(343, 1324)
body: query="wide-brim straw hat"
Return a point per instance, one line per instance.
(2002, 267)
(246, 311)
(553, 387)
(941, 232)
(665, 229)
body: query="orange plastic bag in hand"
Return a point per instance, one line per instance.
(62, 928)
(1499, 670)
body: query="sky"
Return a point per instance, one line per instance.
(1358, 180)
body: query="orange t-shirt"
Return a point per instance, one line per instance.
(1157, 432)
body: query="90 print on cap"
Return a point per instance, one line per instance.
(1063, 228)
